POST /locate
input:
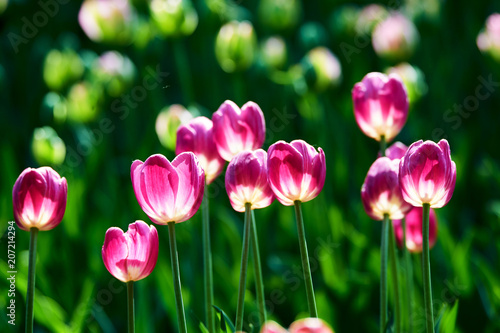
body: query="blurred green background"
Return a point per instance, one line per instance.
(102, 115)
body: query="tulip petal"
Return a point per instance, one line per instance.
(114, 253)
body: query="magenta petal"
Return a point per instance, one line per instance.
(114, 252)
(396, 151)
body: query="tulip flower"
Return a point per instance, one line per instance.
(427, 176)
(47, 147)
(488, 40)
(309, 325)
(39, 200)
(395, 38)
(272, 327)
(413, 235)
(247, 187)
(413, 79)
(170, 193)
(297, 174)
(380, 105)
(236, 46)
(197, 136)
(236, 129)
(396, 151)
(168, 122)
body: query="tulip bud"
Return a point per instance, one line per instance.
(369, 17)
(381, 193)
(395, 38)
(3, 5)
(272, 327)
(380, 105)
(326, 67)
(427, 174)
(413, 223)
(83, 102)
(413, 79)
(110, 21)
(197, 137)
(114, 71)
(235, 46)
(61, 68)
(488, 40)
(274, 53)
(246, 181)
(168, 121)
(396, 151)
(168, 192)
(296, 170)
(279, 14)
(236, 130)
(174, 18)
(131, 255)
(309, 325)
(47, 147)
(39, 199)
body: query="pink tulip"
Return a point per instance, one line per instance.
(39, 199)
(246, 180)
(396, 151)
(168, 192)
(237, 130)
(197, 137)
(296, 171)
(414, 230)
(381, 193)
(130, 256)
(272, 327)
(309, 325)
(427, 174)
(395, 38)
(380, 105)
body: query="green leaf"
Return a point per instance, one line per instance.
(226, 319)
(447, 319)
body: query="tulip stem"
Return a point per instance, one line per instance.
(383, 145)
(207, 264)
(30, 297)
(259, 283)
(306, 267)
(130, 308)
(181, 60)
(383, 273)
(395, 280)
(426, 270)
(243, 271)
(174, 258)
(409, 278)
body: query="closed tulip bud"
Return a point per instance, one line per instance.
(115, 71)
(131, 255)
(272, 327)
(83, 102)
(235, 46)
(413, 79)
(236, 130)
(396, 151)
(197, 137)
(413, 223)
(326, 67)
(310, 325)
(168, 121)
(274, 53)
(380, 105)
(381, 193)
(279, 14)
(47, 147)
(395, 38)
(488, 40)
(427, 174)
(296, 170)
(246, 181)
(39, 199)
(168, 192)
(108, 21)
(61, 68)
(174, 18)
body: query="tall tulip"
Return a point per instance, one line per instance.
(380, 106)
(297, 174)
(413, 237)
(197, 136)
(427, 176)
(236, 129)
(39, 200)
(130, 256)
(248, 188)
(170, 193)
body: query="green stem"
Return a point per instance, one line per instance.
(30, 297)
(409, 278)
(239, 86)
(207, 264)
(243, 271)
(426, 269)
(306, 267)
(395, 280)
(182, 64)
(130, 308)
(259, 283)
(383, 145)
(174, 258)
(383, 273)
